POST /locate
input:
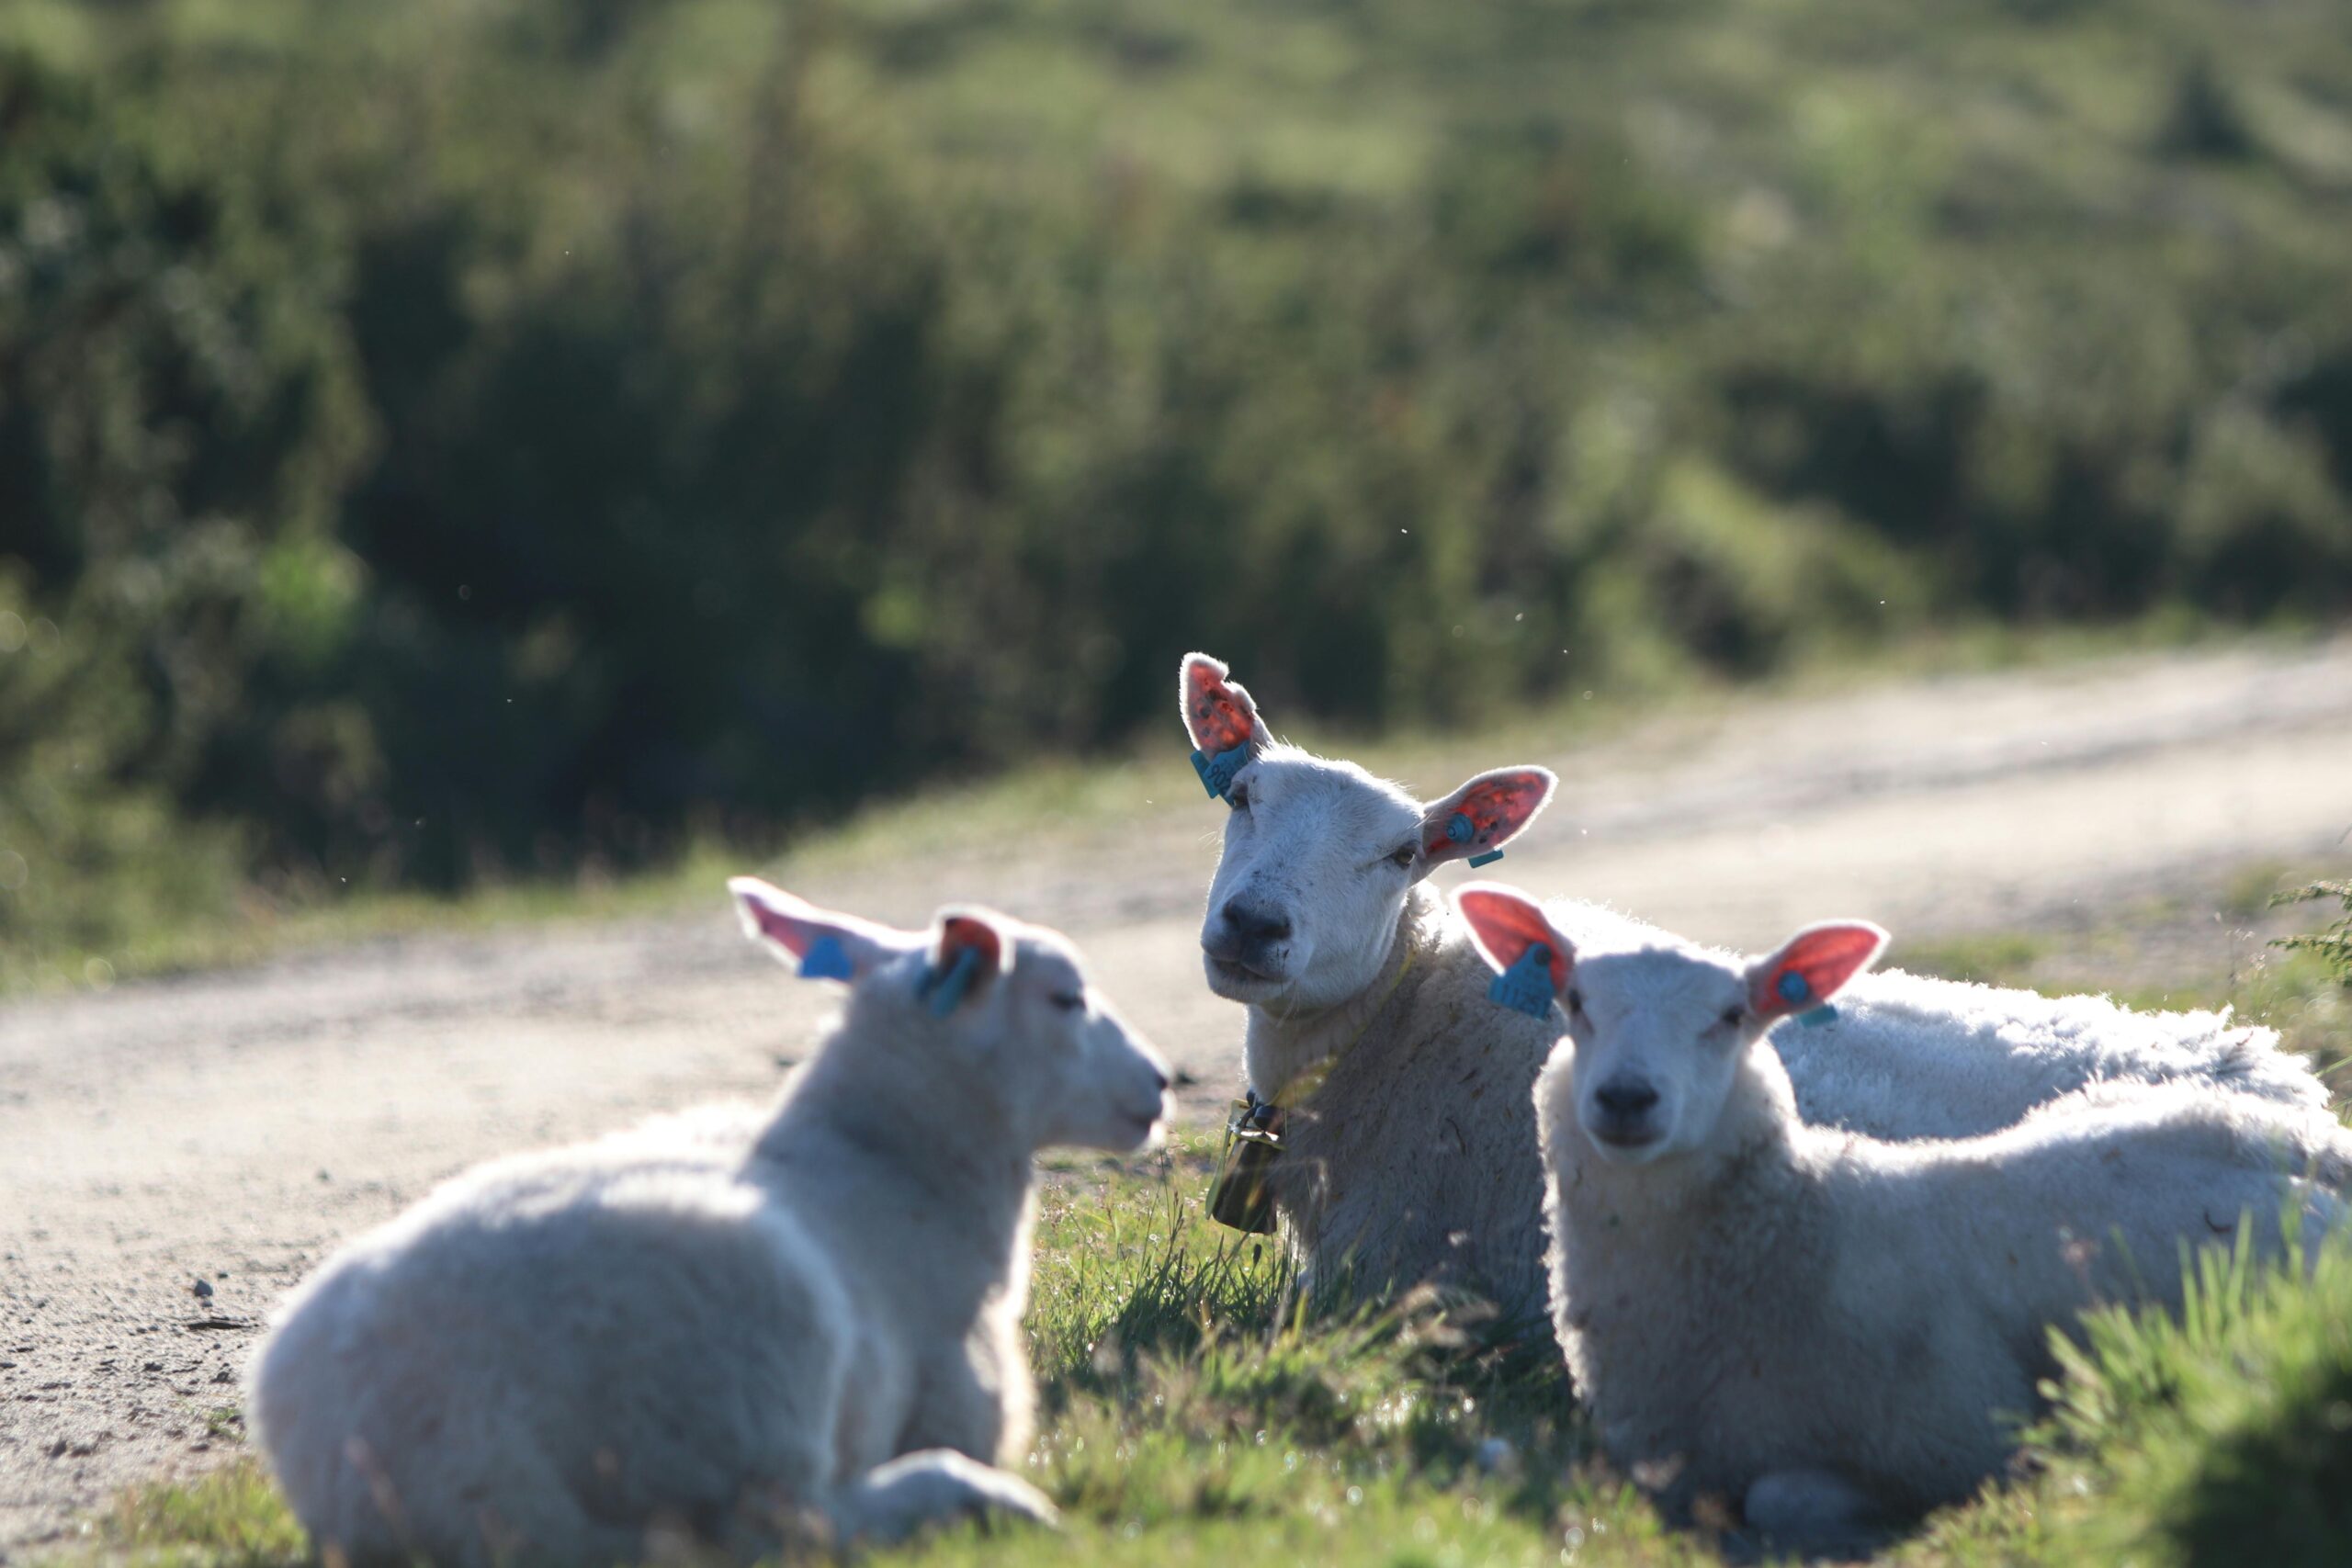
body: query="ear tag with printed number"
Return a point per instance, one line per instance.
(826, 961)
(1216, 772)
(1526, 986)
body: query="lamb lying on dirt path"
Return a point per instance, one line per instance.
(1829, 1329)
(1407, 1131)
(758, 1332)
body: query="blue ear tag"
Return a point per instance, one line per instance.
(1526, 986)
(1795, 987)
(946, 988)
(1216, 772)
(1461, 830)
(826, 961)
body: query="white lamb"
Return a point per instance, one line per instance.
(753, 1332)
(1414, 1158)
(1829, 1329)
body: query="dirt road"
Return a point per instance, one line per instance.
(231, 1128)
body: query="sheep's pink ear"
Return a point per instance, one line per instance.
(1220, 717)
(966, 951)
(1477, 820)
(825, 945)
(1530, 959)
(1812, 966)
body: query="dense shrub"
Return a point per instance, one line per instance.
(178, 421)
(449, 438)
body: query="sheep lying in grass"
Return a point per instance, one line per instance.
(752, 1333)
(1825, 1327)
(1414, 1158)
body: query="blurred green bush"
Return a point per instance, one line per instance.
(2220, 1437)
(2332, 942)
(458, 439)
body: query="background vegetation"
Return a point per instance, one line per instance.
(455, 439)
(2333, 943)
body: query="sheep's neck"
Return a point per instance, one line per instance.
(1280, 1047)
(1644, 1256)
(976, 1190)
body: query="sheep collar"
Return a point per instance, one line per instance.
(1239, 1197)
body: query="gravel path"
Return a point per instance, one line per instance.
(230, 1128)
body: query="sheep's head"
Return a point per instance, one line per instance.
(999, 1010)
(1659, 1033)
(1319, 854)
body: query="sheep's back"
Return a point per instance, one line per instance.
(1912, 1057)
(588, 1341)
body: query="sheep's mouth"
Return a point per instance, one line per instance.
(1233, 973)
(1138, 1129)
(1626, 1140)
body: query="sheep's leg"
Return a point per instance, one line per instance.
(970, 1400)
(891, 1501)
(1812, 1506)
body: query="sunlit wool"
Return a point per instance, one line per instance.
(1826, 1329)
(1415, 1160)
(753, 1330)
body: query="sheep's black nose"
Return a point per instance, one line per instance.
(1253, 927)
(1623, 1100)
(1162, 1073)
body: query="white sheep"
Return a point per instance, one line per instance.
(751, 1331)
(1830, 1329)
(1413, 1159)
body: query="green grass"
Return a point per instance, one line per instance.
(1182, 1421)
(2225, 1436)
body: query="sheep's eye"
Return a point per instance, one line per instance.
(1403, 857)
(1238, 798)
(1733, 1015)
(1575, 999)
(1068, 1001)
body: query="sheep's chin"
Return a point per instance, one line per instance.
(1239, 982)
(1120, 1133)
(1643, 1153)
